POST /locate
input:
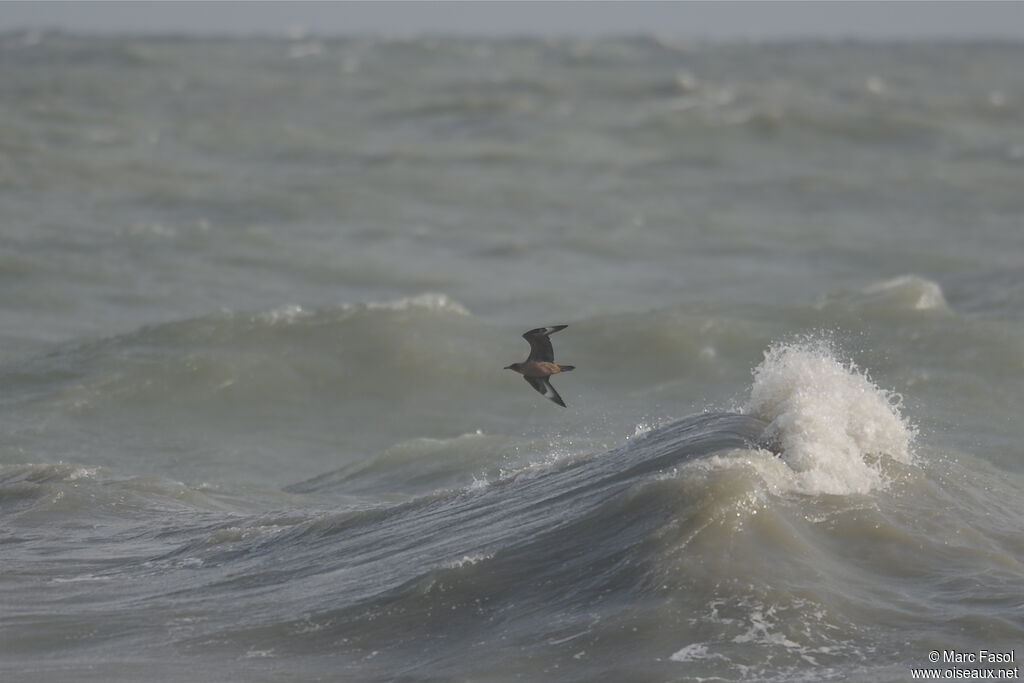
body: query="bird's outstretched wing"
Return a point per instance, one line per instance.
(542, 385)
(540, 345)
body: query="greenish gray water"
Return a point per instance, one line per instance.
(256, 295)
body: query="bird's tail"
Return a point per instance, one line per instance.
(566, 368)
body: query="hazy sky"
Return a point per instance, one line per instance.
(756, 19)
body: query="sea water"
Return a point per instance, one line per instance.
(256, 296)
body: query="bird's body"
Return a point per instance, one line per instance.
(541, 362)
(538, 368)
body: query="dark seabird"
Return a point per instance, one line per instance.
(541, 363)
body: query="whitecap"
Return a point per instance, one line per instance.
(431, 301)
(287, 314)
(828, 419)
(693, 652)
(468, 561)
(902, 293)
(919, 293)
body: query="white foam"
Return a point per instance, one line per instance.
(902, 293)
(431, 301)
(915, 292)
(468, 561)
(291, 313)
(641, 429)
(283, 315)
(694, 652)
(829, 420)
(81, 578)
(83, 473)
(762, 629)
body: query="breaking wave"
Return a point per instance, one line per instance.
(830, 422)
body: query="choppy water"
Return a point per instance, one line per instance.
(256, 295)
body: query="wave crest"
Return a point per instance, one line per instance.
(828, 419)
(898, 294)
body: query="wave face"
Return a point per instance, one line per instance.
(352, 578)
(256, 296)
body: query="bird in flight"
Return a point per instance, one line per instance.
(540, 365)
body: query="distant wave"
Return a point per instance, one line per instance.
(211, 357)
(902, 293)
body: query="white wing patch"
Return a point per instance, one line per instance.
(542, 385)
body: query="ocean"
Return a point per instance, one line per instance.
(256, 296)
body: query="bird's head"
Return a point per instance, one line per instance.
(514, 366)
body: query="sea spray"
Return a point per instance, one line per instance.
(827, 418)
